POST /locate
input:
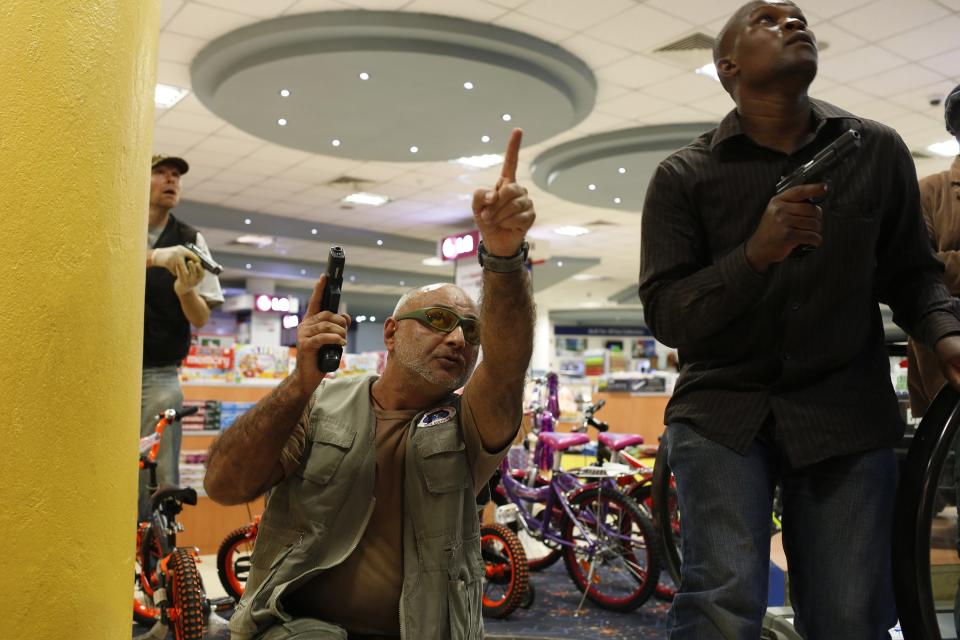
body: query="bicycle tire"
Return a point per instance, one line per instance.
(506, 564)
(644, 572)
(232, 569)
(642, 494)
(186, 595)
(147, 558)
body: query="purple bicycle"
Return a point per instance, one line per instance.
(608, 544)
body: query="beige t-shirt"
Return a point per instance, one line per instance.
(362, 594)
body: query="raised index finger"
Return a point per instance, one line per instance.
(313, 307)
(509, 170)
(804, 192)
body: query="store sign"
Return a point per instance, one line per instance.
(460, 245)
(209, 357)
(265, 302)
(599, 330)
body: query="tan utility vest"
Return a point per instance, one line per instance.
(315, 518)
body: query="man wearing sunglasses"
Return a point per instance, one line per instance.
(371, 528)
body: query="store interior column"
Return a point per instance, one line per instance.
(77, 120)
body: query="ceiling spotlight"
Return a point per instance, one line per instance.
(353, 278)
(506, 117)
(247, 221)
(403, 283)
(617, 200)
(433, 262)
(313, 231)
(484, 139)
(709, 70)
(362, 197)
(335, 142)
(379, 243)
(622, 170)
(480, 162)
(282, 122)
(592, 187)
(249, 266)
(361, 318)
(468, 85)
(166, 95)
(571, 231)
(947, 148)
(373, 318)
(414, 149)
(284, 93)
(364, 75)
(559, 263)
(254, 240)
(303, 272)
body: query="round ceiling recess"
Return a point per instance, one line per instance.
(391, 86)
(611, 169)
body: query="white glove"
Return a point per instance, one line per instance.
(170, 257)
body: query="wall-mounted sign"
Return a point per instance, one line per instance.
(600, 330)
(264, 302)
(460, 245)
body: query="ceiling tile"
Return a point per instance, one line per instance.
(637, 71)
(190, 104)
(884, 18)
(699, 11)
(533, 26)
(918, 100)
(926, 41)
(575, 14)
(377, 5)
(311, 6)
(844, 96)
(207, 22)
(838, 40)
(879, 110)
(685, 88)
(947, 64)
(911, 122)
(191, 122)
(223, 144)
(163, 136)
(830, 8)
(594, 52)
(855, 64)
(175, 73)
(679, 114)
(897, 80)
(510, 4)
(634, 105)
(953, 5)
(474, 10)
(641, 29)
(240, 177)
(256, 8)
(210, 158)
(178, 48)
(168, 9)
(718, 105)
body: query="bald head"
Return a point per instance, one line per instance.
(726, 41)
(442, 292)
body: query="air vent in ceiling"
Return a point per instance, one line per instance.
(599, 223)
(694, 41)
(348, 181)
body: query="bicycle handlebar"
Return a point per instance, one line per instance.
(150, 445)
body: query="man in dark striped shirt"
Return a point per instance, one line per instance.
(784, 371)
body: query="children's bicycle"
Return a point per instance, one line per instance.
(233, 558)
(168, 590)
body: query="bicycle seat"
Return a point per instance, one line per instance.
(618, 441)
(185, 495)
(561, 441)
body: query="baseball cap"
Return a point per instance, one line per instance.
(179, 163)
(951, 111)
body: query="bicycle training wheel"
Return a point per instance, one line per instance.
(613, 554)
(233, 560)
(505, 571)
(186, 596)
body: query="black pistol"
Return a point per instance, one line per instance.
(328, 358)
(817, 169)
(205, 258)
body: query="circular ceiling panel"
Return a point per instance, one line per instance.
(611, 169)
(392, 86)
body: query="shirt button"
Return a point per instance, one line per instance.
(786, 355)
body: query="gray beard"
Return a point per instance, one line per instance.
(411, 362)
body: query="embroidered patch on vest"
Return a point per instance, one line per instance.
(437, 416)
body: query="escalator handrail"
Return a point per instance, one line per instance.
(913, 516)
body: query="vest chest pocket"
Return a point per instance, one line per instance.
(329, 446)
(443, 459)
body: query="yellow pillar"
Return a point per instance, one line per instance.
(76, 121)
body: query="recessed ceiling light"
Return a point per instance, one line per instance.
(590, 305)
(947, 148)
(313, 231)
(282, 122)
(247, 221)
(622, 170)
(335, 142)
(362, 197)
(480, 162)
(709, 70)
(571, 231)
(373, 318)
(167, 95)
(254, 240)
(379, 243)
(617, 200)
(592, 187)
(249, 266)
(284, 93)
(468, 86)
(559, 263)
(583, 277)
(484, 138)
(506, 117)
(364, 75)
(433, 262)
(403, 283)
(414, 149)
(361, 319)
(353, 278)
(303, 272)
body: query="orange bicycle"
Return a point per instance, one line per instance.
(233, 558)
(168, 591)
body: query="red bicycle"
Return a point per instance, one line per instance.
(233, 558)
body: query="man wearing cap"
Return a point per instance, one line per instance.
(178, 293)
(940, 197)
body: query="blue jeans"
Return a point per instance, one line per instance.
(160, 391)
(837, 524)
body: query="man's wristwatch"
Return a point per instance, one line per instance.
(502, 264)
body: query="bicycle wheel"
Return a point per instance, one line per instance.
(540, 555)
(233, 560)
(614, 555)
(186, 596)
(505, 564)
(642, 494)
(145, 578)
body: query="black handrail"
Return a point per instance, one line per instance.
(913, 516)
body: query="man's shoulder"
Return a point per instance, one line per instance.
(695, 152)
